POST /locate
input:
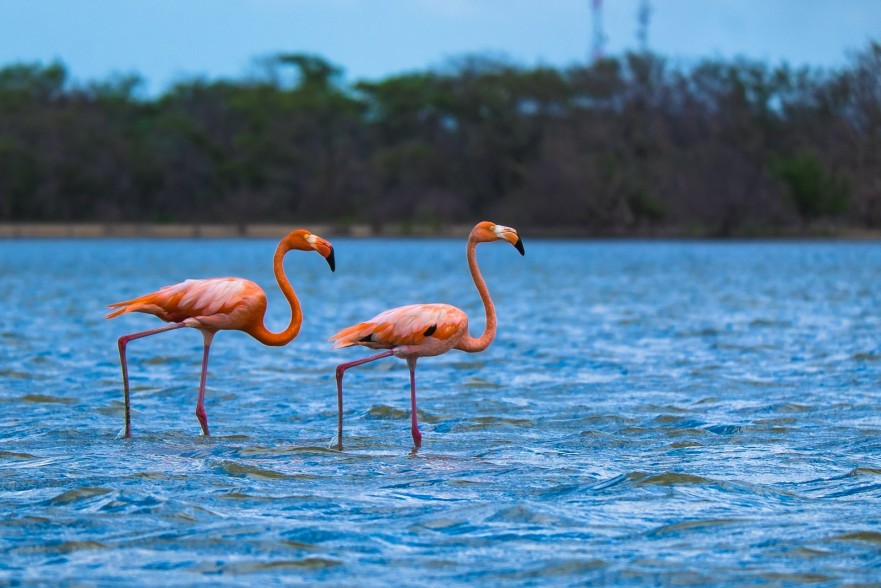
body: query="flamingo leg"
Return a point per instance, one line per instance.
(122, 342)
(207, 336)
(340, 370)
(414, 426)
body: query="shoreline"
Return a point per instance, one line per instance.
(48, 230)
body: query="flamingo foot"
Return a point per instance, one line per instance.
(417, 437)
(203, 420)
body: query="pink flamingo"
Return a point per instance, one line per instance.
(218, 304)
(423, 330)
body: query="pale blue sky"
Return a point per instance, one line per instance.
(165, 40)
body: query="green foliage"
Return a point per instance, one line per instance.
(19, 178)
(621, 144)
(814, 192)
(645, 206)
(21, 84)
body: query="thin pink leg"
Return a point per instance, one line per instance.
(207, 337)
(414, 426)
(340, 370)
(122, 342)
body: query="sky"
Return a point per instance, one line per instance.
(170, 40)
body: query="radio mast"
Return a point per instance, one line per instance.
(599, 37)
(643, 16)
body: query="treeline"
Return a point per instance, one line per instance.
(625, 145)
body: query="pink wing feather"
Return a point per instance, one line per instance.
(198, 298)
(405, 325)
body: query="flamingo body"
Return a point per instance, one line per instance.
(422, 330)
(216, 304)
(419, 330)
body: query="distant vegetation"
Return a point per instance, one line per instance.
(629, 145)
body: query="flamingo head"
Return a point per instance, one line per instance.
(487, 231)
(303, 240)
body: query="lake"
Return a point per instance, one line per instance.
(649, 413)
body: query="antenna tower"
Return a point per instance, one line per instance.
(599, 37)
(643, 16)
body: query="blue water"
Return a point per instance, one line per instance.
(650, 413)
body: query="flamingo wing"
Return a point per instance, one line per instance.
(199, 299)
(405, 325)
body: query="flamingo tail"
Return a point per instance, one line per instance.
(352, 335)
(133, 305)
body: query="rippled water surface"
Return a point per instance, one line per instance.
(649, 413)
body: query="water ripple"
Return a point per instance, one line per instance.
(649, 414)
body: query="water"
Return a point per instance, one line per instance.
(650, 413)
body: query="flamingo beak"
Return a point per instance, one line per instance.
(510, 235)
(324, 248)
(330, 260)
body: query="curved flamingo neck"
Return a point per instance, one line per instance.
(260, 332)
(469, 343)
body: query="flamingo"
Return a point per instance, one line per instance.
(424, 330)
(218, 304)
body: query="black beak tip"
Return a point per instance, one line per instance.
(519, 246)
(331, 261)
